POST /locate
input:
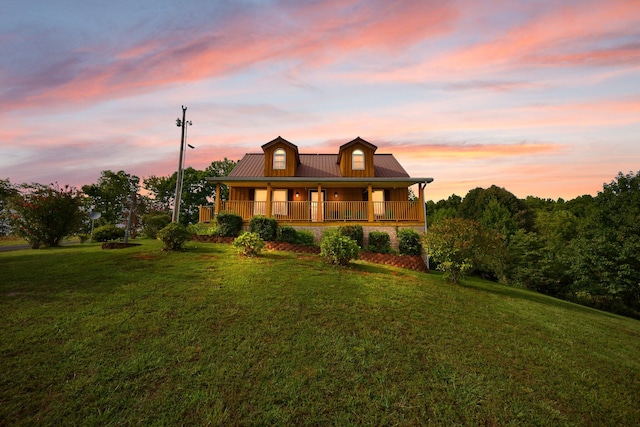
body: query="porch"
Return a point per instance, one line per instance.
(321, 212)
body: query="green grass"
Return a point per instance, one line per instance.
(141, 336)
(11, 240)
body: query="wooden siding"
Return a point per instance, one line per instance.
(291, 164)
(346, 156)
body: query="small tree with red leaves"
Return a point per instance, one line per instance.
(44, 215)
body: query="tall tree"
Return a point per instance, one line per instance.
(110, 195)
(221, 168)
(196, 190)
(162, 190)
(607, 257)
(477, 200)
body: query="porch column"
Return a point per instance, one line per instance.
(320, 209)
(218, 197)
(421, 201)
(370, 202)
(268, 202)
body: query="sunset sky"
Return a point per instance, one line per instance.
(539, 97)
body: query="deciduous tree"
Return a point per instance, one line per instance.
(44, 215)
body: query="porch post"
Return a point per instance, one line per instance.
(268, 210)
(218, 202)
(421, 200)
(320, 209)
(370, 202)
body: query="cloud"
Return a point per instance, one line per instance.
(309, 33)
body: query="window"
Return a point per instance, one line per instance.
(357, 160)
(260, 202)
(279, 202)
(279, 159)
(378, 202)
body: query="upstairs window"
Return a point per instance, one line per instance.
(279, 159)
(357, 160)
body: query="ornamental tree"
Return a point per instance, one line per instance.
(44, 215)
(460, 246)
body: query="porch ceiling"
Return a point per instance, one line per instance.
(314, 182)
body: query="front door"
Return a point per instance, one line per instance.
(313, 197)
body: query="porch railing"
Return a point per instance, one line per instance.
(329, 211)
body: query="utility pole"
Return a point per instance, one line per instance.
(180, 123)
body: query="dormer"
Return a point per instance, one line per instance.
(280, 158)
(356, 158)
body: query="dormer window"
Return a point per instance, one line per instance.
(279, 159)
(357, 160)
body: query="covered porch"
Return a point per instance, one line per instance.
(292, 201)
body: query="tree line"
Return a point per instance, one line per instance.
(585, 250)
(45, 214)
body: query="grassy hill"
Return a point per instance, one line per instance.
(139, 336)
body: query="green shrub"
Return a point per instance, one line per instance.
(338, 249)
(287, 234)
(409, 242)
(107, 233)
(353, 231)
(229, 224)
(174, 236)
(249, 244)
(305, 238)
(379, 242)
(154, 222)
(83, 237)
(266, 228)
(202, 229)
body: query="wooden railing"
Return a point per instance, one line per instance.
(330, 211)
(345, 211)
(397, 211)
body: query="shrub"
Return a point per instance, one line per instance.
(174, 236)
(305, 238)
(338, 249)
(266, 228)
(379, 242)
(83, 237)
(154, 222)
(249, 244)
(409, 242)
(107, 233)
(229, 224)
(353, 231)
(287, 234)
(44, 215)
(202, 229)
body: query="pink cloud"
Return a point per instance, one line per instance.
(319, 32)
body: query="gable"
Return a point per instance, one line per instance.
(281, 158)
(356, 158)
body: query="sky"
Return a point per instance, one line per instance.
(539, 97)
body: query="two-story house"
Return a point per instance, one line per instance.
(356, 185)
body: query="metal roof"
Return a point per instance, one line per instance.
(318, 166)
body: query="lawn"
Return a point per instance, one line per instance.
(141, 336)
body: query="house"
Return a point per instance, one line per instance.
(355, 185)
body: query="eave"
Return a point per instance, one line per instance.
(311, 181)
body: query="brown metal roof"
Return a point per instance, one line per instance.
(251, 165)
(318, 166)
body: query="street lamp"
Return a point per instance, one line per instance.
(182, 124)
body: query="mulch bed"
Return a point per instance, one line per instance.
(411, 262)
(118, 245)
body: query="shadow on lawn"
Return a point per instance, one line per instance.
(535, 297)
